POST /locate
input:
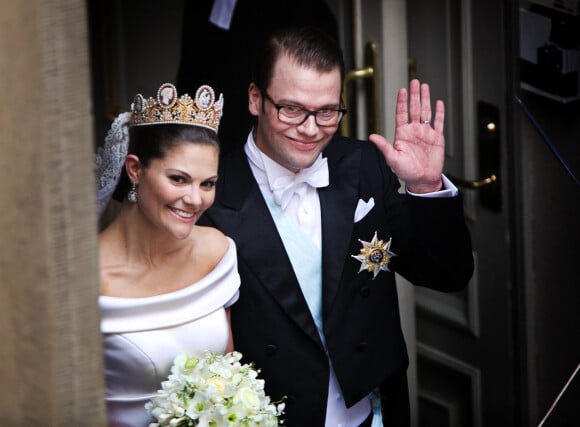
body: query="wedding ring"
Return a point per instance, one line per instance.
(426, 122)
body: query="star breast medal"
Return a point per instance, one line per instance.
(374, 255)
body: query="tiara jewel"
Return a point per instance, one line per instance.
(203, 111)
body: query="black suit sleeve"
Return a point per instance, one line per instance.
(430, 235)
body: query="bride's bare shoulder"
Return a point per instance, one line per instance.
(212, 241)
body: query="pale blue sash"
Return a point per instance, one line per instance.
(306, 260)
(376, 405)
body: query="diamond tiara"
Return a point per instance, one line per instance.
(203, 111)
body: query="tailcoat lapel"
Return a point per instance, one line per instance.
(337, 203)
(257, 240)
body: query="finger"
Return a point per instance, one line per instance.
(382, 144)
(439, 116)
(414, 101)
(401, 113)
(425, 104)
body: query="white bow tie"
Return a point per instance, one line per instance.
(285, 186)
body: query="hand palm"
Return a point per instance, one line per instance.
(418, 152)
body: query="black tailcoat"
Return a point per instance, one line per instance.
(271, 323)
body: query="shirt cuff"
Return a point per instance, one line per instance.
(448, 190)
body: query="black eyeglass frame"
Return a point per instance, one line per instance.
(341, 112)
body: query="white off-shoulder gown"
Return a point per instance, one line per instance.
(142, 336)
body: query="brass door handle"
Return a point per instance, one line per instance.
(368, 72)
(472, 185)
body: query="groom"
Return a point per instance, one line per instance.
(320, 229)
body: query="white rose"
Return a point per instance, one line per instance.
(218, 383)
(248, 397)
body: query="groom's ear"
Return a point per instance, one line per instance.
(254, 100)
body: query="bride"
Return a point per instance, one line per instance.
(166, 283)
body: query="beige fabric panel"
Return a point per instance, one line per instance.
(50, 345)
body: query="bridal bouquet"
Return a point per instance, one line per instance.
(216, 391)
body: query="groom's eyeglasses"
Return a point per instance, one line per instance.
(295, 115)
